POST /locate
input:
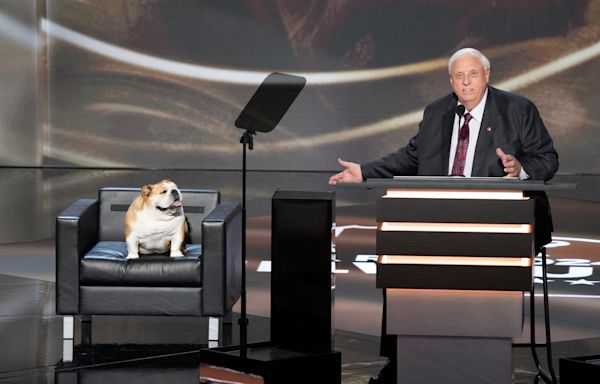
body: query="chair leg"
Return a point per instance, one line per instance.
(213, 332)
(228, 328)
(86, 330)
(228, 318)
(68, 333)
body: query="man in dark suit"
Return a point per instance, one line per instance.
(500, 135)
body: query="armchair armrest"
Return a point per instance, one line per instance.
(221, 259)
(76, 233)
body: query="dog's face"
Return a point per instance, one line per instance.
(163, 196)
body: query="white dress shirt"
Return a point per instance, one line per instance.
(474, 126)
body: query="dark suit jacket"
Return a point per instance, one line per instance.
(510, 122)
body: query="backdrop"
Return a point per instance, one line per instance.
(159, 83)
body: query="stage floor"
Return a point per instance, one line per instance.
(157, 350)
(31, 332)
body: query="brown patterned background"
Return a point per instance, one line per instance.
(159, 83)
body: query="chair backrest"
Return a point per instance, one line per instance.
(114, 202)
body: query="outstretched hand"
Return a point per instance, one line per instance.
(351, 173)
(511, 165)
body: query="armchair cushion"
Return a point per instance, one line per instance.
(106, 265)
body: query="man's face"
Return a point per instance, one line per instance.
(469, 80)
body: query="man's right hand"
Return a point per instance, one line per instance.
(351, 173)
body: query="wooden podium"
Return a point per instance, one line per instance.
(454, 257)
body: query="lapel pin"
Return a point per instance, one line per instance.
(488, 129)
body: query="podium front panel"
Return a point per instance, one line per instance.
(454, 244)
(453, 360)
(455, 210)
(455, 239)
(433, 312)
(494, 278)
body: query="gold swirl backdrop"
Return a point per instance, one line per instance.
(159, 83)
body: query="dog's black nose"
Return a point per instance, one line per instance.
(174, 193)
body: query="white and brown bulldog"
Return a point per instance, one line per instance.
(155, 222)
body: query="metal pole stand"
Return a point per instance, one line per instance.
(548, 376)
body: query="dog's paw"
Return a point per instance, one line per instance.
(176, 254)
(132, 256)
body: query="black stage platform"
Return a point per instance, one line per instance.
(166, 349)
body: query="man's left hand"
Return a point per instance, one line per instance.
(511, 165)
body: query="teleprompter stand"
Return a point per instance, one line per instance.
(275, 363)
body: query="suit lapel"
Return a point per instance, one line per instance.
(447, 125)
(489, 123)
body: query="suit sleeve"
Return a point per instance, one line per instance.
(538, 158)
(404, 161)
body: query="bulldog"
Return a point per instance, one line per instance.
(155, 222)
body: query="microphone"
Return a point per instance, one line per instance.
(460, 111)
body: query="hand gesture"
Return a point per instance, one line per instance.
(351, 173)
(511, 165)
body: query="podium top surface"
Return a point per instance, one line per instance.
(459, 182)
(303, 195)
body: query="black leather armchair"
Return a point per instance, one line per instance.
(93, 276)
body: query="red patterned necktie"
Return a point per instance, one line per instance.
(458, 168)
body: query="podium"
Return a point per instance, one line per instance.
(454, 258)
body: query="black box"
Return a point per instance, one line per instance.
(577, 370)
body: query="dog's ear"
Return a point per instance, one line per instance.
(146, 190)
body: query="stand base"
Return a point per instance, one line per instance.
(277, 364)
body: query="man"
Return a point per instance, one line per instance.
(501, 135)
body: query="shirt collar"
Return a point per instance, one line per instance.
(477, 112)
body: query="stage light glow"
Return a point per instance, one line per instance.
(215, 74)
(453, 194)
(231, 76)
(457, 260)
(579, 239)
(455, 227)
(552, 68)
(17, 32)
(150, 62)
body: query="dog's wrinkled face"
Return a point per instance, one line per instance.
(163, 196)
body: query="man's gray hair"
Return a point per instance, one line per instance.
(468, 51)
